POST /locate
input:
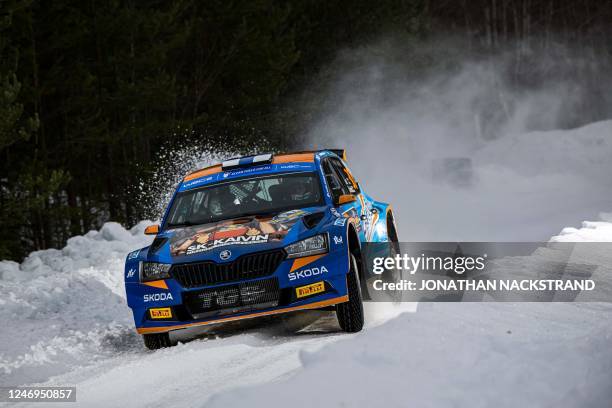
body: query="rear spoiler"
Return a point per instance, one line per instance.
(339, 152)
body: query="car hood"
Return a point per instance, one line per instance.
(241, 235)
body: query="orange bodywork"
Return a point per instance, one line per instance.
(300, 262)
(204, 172)
(161, 284)
(316, 305)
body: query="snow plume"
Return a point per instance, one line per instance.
(471, 148)
(187, 152)
(172, 164)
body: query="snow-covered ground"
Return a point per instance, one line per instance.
(65, 323)
(64, 320)
(457, 355)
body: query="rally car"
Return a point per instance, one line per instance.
(256, 236)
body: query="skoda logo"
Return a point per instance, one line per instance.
(225, 255)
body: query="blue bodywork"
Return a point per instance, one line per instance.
(367, 219)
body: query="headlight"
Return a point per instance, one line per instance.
(309, 246)
(153, 271)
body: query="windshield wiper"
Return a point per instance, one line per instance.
(181, 224)
(191, 223)
(256, 213)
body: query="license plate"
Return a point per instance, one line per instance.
(308, 290)
(161, 313)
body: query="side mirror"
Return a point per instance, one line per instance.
(345, 198)
(152, 230)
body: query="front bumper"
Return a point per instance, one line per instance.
(296, 284)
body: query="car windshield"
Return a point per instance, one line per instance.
(245, 197)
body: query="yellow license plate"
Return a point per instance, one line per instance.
(308, 290)
(161, 313)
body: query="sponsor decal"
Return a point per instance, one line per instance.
(225, 255)
(197, 182)
(308, 290)
(240, 231)
(352, 215)
(157, 297)
(134, 254)
(131, 273)
(306, 273)
(161, 313)
(239, 240)
(242, 172)
(235, 296)
(337, 240)
(294, 166)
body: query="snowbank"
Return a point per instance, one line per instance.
(591, 231)
(62, 308)
(456, 355)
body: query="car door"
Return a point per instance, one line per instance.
(340, 184)
(367, 213)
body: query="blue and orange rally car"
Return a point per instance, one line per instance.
(257, 236)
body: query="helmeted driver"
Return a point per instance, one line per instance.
(302, 191)
(222, 201)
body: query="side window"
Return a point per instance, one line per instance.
(336, 186)
(346, 177)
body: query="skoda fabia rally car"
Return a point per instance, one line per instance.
(256, 236)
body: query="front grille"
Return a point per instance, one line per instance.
(239, 297)
(249, 266)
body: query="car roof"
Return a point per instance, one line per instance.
(297, 157)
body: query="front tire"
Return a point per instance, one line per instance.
(157, 340)
(350, 314)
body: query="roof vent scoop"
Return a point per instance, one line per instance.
(246, 161)
(157, 244)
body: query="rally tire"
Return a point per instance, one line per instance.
(350, 314)
(392, 275)
(157, 340)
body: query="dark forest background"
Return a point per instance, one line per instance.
(90, 90)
